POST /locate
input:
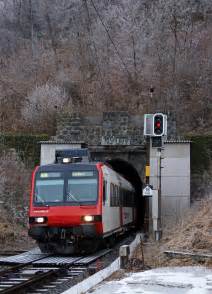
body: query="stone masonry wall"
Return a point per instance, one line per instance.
(111, 128)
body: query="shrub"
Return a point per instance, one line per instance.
(41, 106)
(14, 186)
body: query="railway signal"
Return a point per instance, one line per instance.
(158, 124)
(155, 129)
(155, 125)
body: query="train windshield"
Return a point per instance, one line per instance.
(67, 188)
(82, 186)
(49, 187)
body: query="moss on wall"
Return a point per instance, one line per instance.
(26, 146)
(201, 153)
(201, 166)
(28, 149)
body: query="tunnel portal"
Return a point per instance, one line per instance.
(115, 137)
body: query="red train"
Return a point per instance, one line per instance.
(76, 207)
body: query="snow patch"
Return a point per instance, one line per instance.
(176, 280)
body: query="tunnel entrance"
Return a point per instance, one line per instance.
(112, 137)
(128, 171)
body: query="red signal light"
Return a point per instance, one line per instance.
(158, 124)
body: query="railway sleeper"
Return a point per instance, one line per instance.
(28, 283)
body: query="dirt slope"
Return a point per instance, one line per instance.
(13, 236)
(192, 234)
(195, 232)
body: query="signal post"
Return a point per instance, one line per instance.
(155, 129)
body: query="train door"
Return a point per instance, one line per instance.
(106, 206)
(110, 214)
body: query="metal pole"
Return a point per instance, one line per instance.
(147, 200)
(159, 231)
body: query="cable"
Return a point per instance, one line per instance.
(116, 49)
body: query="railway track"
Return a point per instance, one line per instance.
(11, 252)
(35, 272)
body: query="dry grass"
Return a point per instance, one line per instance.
(13, 236)
(6, 232)
(192, 234)
(195, 232)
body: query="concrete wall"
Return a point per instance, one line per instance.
(47, 155)
(175, 183)
(175, 179)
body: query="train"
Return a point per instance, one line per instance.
(75, 208)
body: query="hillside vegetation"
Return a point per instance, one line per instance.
(92, 56)
(191, 235)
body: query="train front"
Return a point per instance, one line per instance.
(65, 208)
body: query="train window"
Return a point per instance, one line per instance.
(121, 196)
(127, 198)
(116, 195)
(82, 190)
(49, 190)
(112, 194)
(104, 192)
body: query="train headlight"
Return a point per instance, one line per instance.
(88, 218)
(66, 160)
(40, 220)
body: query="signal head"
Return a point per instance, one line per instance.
(158, 124)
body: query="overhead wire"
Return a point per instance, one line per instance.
(110, 38)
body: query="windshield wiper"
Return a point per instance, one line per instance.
(40, 200)
(70, 195)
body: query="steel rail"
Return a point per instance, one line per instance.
(31, 281)
(65, 267)
(11, 253)
(17, 267)
(11, 269)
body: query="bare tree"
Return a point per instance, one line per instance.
(42, 105)
(107, 55)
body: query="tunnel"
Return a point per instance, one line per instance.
(128, 171)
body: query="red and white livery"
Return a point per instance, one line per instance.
(76, 207)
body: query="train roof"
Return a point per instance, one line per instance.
(69, 166)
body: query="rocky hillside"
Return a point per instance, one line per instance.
(90, 56)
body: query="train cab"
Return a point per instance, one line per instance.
(73, 205)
